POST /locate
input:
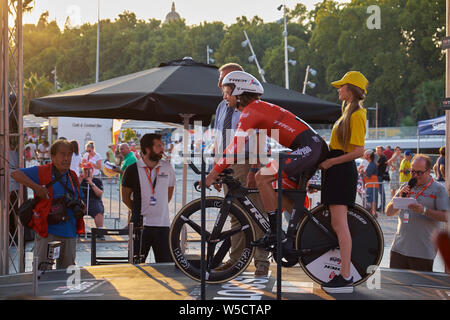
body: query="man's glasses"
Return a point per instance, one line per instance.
(89, 151)
(418, 172)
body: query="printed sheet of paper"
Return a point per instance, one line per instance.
(403, 203)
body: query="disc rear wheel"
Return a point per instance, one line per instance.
(324, 261)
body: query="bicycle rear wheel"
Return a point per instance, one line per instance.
(322, 264)
(188, 260)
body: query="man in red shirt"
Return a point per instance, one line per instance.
(243, 90)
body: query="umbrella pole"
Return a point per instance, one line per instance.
(186, 118)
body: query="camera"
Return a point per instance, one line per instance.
(77, 206)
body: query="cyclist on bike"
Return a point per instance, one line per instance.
(242, 90)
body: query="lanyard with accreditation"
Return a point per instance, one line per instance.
(423, 189)
(152, 184)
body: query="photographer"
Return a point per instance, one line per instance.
(92, 188)
(58, 216)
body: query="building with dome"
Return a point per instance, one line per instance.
(172, 15)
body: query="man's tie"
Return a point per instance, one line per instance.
(226, 125)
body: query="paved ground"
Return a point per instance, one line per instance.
(165, 282)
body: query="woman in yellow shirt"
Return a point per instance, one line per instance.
(340, 175)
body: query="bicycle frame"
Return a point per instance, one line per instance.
(239, 193)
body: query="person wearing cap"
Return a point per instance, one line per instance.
(405, 168)
(340, 176)
(92, 188)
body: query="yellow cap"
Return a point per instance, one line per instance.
(355, 78)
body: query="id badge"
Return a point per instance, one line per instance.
(152, 201)
(406, 218)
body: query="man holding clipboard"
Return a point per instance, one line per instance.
(418, 218)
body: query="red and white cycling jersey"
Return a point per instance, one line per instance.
(263, 115)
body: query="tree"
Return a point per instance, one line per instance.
(35, 87)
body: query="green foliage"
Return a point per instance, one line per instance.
(128, 135)
(401, 60)
(35, 87)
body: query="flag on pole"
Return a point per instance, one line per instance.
(117, 124)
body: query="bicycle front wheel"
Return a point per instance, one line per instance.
(237, 229)
(324, 260)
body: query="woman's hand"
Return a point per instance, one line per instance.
(327, 164)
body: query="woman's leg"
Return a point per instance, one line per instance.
(340, 226)
(99, 220)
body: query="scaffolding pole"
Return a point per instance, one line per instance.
(12, 249)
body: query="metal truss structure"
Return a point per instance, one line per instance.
(12, 248)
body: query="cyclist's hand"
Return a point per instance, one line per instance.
(210, 179)
(251, 181)
(218, 186)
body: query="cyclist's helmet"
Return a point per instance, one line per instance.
(243, 83)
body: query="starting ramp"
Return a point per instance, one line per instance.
(165, 282)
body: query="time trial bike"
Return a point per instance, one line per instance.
(310, 239)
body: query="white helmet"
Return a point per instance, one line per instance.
(244, 82)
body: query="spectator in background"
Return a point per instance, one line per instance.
(361, 189)
(405, 168)
(134, 149)
(413, 246)
(370, 181)
(110, 154)
(92, 188)
(128, 159)
(33, 148)
(439, 167)
(365, 162)
(42, 151)
(394, 164)
(93, 157)
(388, 152)
(381, 163)
(76, 158)
(28, 157)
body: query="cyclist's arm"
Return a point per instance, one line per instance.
(237, 145)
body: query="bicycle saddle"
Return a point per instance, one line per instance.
(228, 171)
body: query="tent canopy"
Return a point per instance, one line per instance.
(163, 93)
(433, 127)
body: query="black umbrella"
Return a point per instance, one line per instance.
(163, 93)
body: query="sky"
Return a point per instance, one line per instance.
(194, 11)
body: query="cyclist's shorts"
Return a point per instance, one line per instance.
(310, 154)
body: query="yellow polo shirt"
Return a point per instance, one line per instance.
(357, 132)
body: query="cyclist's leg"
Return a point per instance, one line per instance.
(238, 241)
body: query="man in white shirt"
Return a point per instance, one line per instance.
(147, 188)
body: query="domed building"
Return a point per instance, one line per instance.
(172, 15)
